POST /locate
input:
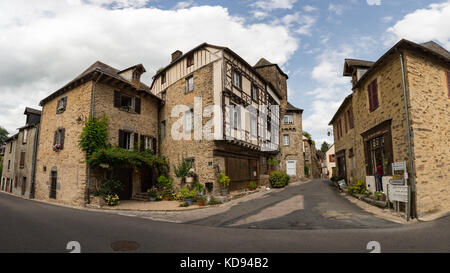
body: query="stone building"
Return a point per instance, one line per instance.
(19, 162)
(330, 161)
(247, 136)
(101, 90)
(371, 127)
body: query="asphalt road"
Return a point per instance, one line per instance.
(29, 226)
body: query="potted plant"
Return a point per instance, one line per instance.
(224, 182)
(182, 170)
(188, 195)
(201, 200)
(199, 188)
(252, 185)
(152, 194)
(166, 187)
(190, 177)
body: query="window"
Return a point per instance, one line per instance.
(235, 109)
(136, 75)
(188, 121)
(190, 60)
(190, 162)
(345, 121)
(189, 85)
(339, 129)
(9, 164)
(53, 184)
(373, 95)
(253, 125)
(331, 158)
(24, 137)
(61, 105)
(58, 139)
(127, 103)
(22, 160)
(163, 129)
(10, 147)
(350, 117)
(125, 140)
(237, 79)
(288, 119)
(163, 95)
(254, 92)
(163, 78)
(146, 142)
(286, 140)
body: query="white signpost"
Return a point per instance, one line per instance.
(398, 189)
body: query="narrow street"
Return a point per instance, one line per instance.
(319, 221)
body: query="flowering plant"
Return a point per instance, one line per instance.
(112, 200)
(57, 147)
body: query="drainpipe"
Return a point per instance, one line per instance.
(33, 163)
(92, 115)
(408, 131)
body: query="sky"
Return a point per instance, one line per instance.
(45, 44)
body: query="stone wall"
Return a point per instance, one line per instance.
(294, 150)
(69, 162)
(430, 125)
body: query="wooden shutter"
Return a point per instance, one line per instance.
(369, 94)
(387, 151)
(64, 102)
(116, 99)
(142, 143)
(63, 133)
(121, 139)
(55, 136)
(154, 145)
(350, 117)
(137, 105)
(136, 139)
(22, 159)
(375, 94)
(367, 158)
(448, 83)
(345, 121)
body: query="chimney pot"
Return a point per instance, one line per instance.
(177, 54)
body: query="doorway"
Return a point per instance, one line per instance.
(53, 184)
(125, 176)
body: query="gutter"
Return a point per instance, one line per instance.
(412, 208)
(92, 115)
(33, 163)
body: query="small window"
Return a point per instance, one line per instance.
(163, 78)
(22, 160)
(147, 143)
(253, 125)
(237, 79)
(288, 119)
(350, 117)
(254, 92)
(236, 115)
(163, 129)
(188, 121)
(10, 147)
(190, 60)
(163, 95)
(190, 162)
(9, 164)
(373, 95)
(24, 136)
(189, 84)
(126, 101)
(61, 105)
(126, 140)
(331, 158)
(286, 140)
(58, 139)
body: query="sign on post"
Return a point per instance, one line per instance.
(398, 193)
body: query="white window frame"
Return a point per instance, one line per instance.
(286, 137)
(188, 121)
(288, 119)
(189, 84)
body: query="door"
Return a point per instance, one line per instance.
(125, 176)
(146, 179)
(291, 167)
(53, 184)
(241, 171)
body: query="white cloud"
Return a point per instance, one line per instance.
(387, 19)
(422, 25)
(44, 45)
(184, 4)
(338, 9)
(309, 8)
(259, 15)
(373, 2)
(274, 4)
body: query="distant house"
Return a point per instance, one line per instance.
(19, 162)
(330, 161)
(372, 124)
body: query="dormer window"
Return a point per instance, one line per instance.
(136, 75)
(190, 60)
(163, 78)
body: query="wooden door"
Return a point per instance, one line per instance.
(125, 176)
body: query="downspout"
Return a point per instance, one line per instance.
(33, 163)
(408, 131)
(92, 115)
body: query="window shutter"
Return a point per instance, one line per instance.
(116, 99)
(22, 159)
(137, 107)
(154, 145)
(63, 132)
(352, 125)
(345, 120)
(54, 137)
(367, 157)
(142, 143)
(136, 140)
(370, 97)
(387, 151)
(57, 106)
(64, 102)
(121, 139)
(375, 95)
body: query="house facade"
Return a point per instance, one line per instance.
(244, 132)
(18, 176)
(380, 128)
(101, 90)
(330, 161)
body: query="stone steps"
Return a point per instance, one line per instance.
(141, 196)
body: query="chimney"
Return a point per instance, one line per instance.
(177, 54)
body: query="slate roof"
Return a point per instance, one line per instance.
(292, 108)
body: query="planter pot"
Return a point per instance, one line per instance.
(153, 199)
(188, 201)
(200, 202)
(189, 181)
(166, 198)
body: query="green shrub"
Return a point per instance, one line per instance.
(187, 193)
(306, 168)
(223, 180)
(165, 183)
(358, 188)
(278, 179)
(110, 186)
(214, 201)
(112, 200)
(94, 135)
(198, 187)
(252, 185)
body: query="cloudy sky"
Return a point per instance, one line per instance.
(46, 43)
